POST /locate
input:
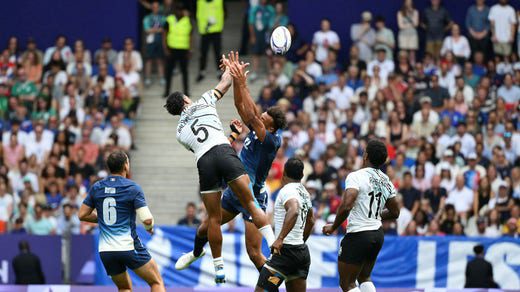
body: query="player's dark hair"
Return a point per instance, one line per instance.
(279, 120)
(376, 152)
(293, 169)
(116, 161)
(175, 103)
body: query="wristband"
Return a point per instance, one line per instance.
(234, 129)
(232, 137)
(219, 92)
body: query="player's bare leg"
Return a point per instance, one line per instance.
(348, 274)
(254, 245)
(212, 204)
(296, 285)
(123, 282)
(241, 187)
(364, 280)
(201, 238)
(149, 272)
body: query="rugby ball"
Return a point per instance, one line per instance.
(280, 40)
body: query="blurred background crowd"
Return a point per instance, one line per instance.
(445, 103)
(447, 110)
(62, 110)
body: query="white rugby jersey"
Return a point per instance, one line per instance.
(199, 127)
(290, 191)
(374, 189)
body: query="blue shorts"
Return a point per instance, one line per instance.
(231, 203)
(116, 262)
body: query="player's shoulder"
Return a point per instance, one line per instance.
(273, 138)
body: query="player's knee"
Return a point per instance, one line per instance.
(256, 257)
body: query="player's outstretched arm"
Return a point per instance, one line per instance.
(347, 203)
(391, 211)
(309, 224)
(87, 214)
(245, 105)
(223, 86)
(291, 216)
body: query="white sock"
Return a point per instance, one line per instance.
(354, 290)
(367, 287)
(218, 263)
(267, 233)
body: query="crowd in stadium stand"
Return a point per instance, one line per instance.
(449, 116)
(62, 110)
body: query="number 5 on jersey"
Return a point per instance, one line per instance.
(196, 131)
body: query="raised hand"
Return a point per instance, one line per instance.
(237, 68)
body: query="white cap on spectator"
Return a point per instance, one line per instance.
(286, 134)
(445, 166)
(425, 99)
(312, 184)
(472, 155)
(503, 184)
(366, 16)
(329, 186)
(448, 152)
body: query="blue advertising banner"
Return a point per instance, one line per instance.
(405, 262)
(47, 248)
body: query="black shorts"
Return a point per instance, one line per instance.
(293, 263)
(116, 262)
(362, 246)
(219, 164)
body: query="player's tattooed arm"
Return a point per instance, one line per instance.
(87, 214)
(391, 211)
(347, 203)
(291, 216)
(309, 224)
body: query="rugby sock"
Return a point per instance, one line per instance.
(354, 290)
(199, 244)
(267, 233)
(219, 266)
(367, 287)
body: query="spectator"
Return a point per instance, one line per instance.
(411, 195)
(436, 22)
(364, 36)
(61, 47)
(27, 267)
(385, 66)
(457, 44)
(477, 24)
(408, 21)
(107, 50)
(324, 40)
(177, 43)
(68, 222)
(40, 224)
(128, 54)
(190, 218)
(260, 18)
(502, 20)
(438, 95)
(436, 195)
(210, 18)
(6, 206)
(509, 92)
(384, 38)
(461, 197)
(153, 26)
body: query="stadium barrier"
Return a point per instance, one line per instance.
(406, 262)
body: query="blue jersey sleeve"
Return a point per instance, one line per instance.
(89, 199)
(139, 200)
